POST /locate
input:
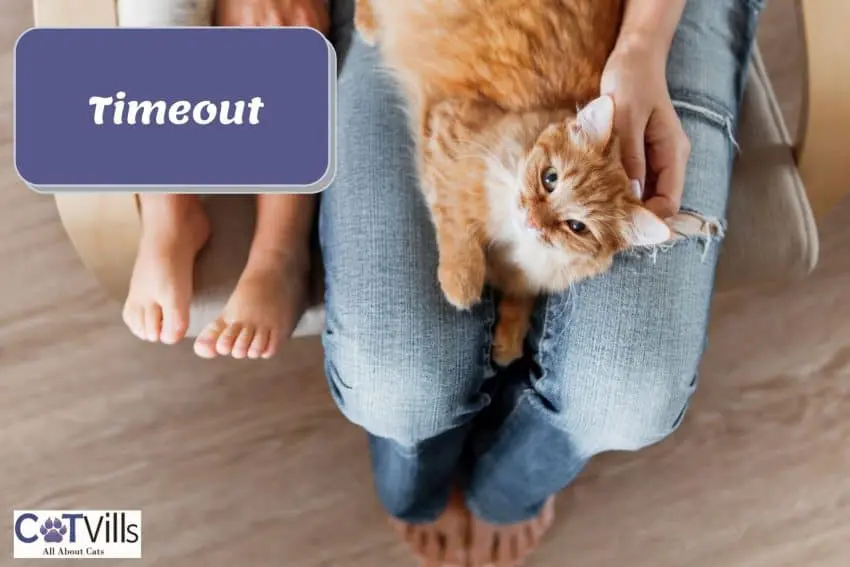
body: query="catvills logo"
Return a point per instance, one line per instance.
(90, 534)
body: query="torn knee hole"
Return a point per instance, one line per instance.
(688, 226)
(685, 224)
(723, 120)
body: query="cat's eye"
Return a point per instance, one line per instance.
(549, 179)
(577, 227)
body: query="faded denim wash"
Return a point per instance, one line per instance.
(610, 365)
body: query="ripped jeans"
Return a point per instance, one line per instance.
(609, 365)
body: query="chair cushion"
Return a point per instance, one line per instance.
(771, 234)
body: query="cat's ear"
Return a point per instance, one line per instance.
(596, 120)
(645, 229)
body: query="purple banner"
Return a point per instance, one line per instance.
(205, 110)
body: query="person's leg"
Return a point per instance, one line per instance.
(401, 361)
(272, 291)
(174, 229)
(271, 294)
(615, 360)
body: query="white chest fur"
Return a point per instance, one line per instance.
(546, 267)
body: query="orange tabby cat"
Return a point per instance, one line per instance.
(525, 192)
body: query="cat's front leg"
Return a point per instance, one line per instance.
(511, 327)
(462, 263)
(453, 189)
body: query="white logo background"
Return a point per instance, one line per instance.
(84, 534)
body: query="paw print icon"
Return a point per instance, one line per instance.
(53, 530)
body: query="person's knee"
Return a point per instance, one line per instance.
(401, 388)
(401, 362)
(630, 408)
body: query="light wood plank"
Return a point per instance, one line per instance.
(249, 463)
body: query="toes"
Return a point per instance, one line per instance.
(511, 547)
(259, 344)
(420, 542)
(428, 551)
(224, 344)
(175, 322)
(455, 547)
(501, 550)
(434, 548)
(443, 543)
(406, 532)
(134, 318)
(243, 342)
(529, 538)
(271, 345)
(422, 545)
(482, 545)
(153, 322)
(205, 344)
(547, 516)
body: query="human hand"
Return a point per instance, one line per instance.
(256, 13)
(655, 148)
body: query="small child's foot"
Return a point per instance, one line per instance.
(268, 301)
(442, 543)
(510, 545)
(174, 229)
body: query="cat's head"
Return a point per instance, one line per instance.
(575, 193)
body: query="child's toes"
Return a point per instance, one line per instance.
(243, 342)
(258, 345)
(175, 322)
(205, 344)
(153, 322)
(134, 318)
(271, 345)
(224, 344)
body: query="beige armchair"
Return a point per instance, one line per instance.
(778, 190)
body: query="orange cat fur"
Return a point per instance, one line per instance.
(525, 192)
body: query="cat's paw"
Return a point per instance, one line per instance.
(461, 287)
(507, 346)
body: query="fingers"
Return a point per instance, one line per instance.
(271, 13)
(632, 148)
(669, 150)
(273, 18)
(630, 120)
(307, 16)
(243, 13)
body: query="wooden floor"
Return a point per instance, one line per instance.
(248, 463)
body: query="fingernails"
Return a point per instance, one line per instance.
(636, 189)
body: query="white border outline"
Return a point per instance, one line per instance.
(313, 188)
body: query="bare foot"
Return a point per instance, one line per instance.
(268, 301)
(508, 546)
(174, 229)
(443, 543)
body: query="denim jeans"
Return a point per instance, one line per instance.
(609, 365)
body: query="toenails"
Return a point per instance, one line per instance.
(236, 339)
(154, 323)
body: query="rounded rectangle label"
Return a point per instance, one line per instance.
(207, 110)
